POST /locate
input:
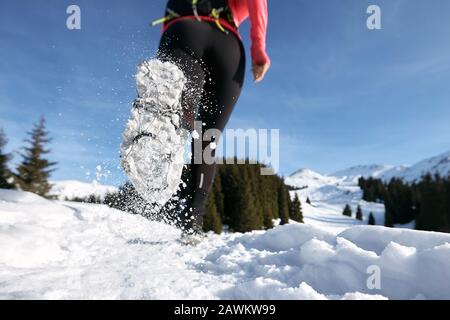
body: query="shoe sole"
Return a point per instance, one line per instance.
(152, 151)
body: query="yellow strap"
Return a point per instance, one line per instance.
(216, 15)
(159, 21)
(172, 14)
(194, 9)
(219, 25)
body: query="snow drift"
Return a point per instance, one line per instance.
(65, 250)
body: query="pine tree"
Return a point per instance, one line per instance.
(254, 179)
(283, 203)
(432, 215)
(230, 188)
(5, 174)
(373, 189)
(447, 205)
(126, 199)
(245, 200)
(248, 218)
(93, 199)
(216, 190)
(308, 201)
(388, 212)
(359, 213)
(266, 195)
(273, 196)
(34, 170)
(371, 220)
(296, 210)
(347, 211)
(212, 221)
(426, 201)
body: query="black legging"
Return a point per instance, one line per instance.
(214, 65)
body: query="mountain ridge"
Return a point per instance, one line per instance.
(439, 164)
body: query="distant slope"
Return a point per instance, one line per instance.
(71, 189)
(354, 173)
(435, 165)
(304, 178)
(330, 193)
(328, 196)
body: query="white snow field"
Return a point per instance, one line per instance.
(72, 189)
(328, 196)
(67, 250)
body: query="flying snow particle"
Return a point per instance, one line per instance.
(195, 135)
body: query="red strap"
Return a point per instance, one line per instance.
(223, 22)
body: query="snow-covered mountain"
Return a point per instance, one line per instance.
(354, 173)
(305, 178)
(435, 165)
(71, 189)
(439, 164)
(68, 250)
(330, 193)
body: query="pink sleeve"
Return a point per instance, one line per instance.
(258, 29)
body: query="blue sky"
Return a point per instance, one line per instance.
(340, 93)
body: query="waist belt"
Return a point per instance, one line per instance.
(216, 11)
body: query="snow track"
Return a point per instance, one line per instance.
(67, 250)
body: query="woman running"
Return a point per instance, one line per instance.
(202, 39)
(197, 77)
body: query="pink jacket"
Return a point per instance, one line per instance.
(258, 13)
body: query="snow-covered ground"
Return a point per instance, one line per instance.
(71, 189)
(62, 250)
